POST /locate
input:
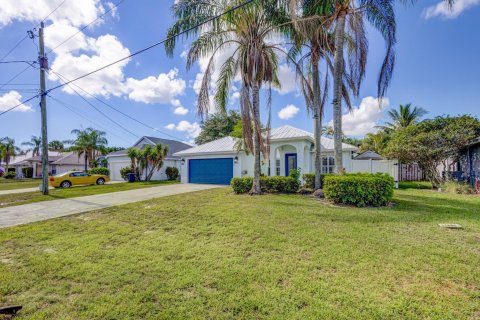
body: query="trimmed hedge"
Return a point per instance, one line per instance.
(10, 175)
(275, 184)
(309, 179)
(103, 171)
(359, 189)
(172, 173)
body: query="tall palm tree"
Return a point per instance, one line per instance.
(90, 143)
(35, 144)
(55, 145)
(405, 116)
(249, 32)
(9, 150)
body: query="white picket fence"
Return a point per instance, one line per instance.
(377, 166)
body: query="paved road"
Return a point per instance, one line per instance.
(16, 215)
(36, 189)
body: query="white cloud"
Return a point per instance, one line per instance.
(180, 111)
(442, 9)
(161, 89)
(287, 78)
(191, 129)
(364, 118)
(288, 112)
(11, 99)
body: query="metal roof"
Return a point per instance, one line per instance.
(227, 144)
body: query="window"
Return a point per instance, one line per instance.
(277, 167)
(328, 164)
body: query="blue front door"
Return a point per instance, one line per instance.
(211, 171)
(290, 162)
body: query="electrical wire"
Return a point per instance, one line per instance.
(61, 4)
(115, 109)
(69, 107)
(136, 53)
(86, 26)
(14, 47)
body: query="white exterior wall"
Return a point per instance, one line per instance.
(117, 163)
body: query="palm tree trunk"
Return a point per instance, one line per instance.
(86, 161)
(256, 189)
(337, 90)
(317, 118)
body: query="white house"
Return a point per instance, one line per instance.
(119, 159)
(58, 162)
(218, 161)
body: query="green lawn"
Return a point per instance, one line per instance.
(10, 184)
(215, 255)
(15, 199)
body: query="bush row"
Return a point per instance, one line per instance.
(309, 179)
(275, 184)
(359, 189)
(103, 171)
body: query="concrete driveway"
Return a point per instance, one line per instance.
(16, 215)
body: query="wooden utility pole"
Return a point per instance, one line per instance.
(43, 62)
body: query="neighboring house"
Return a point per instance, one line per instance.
(469, 162)
(368, 155)
(290, 148)
(119, 159)
(57, 163)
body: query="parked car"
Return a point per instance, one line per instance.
(75, 178)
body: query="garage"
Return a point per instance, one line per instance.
(210, 171)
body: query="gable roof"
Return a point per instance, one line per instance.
(69, 158)
(173, 147)
(368, 155)
(284, 133)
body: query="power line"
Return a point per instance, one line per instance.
(138, 52)
(18, 105)
(86, 26)
(155, 44)
(61, 4)
(115, 109)
(19, 61)
(16, 76)
(101, 112)
(69, 107)
(14, 47)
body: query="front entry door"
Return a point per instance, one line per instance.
(290, 162)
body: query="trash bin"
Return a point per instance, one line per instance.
(131, 177)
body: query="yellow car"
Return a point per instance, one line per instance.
(75, 178)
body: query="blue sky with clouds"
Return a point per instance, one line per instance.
(437, 67)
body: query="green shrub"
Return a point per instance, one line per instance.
(27, 172)
(275, 184)
(124, 172)
(295, 173)
(359, 189)
(309, 179)
(172, 173)
(103, 171)
(10, 175)
(454, 187)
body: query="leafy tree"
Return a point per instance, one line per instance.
(56, 145)
(150, 159)
(217, 126)
(35, 144)
(376, 142)
(248, 32)
(112, 149)
(403, 117)
(135, 155)
(8, 150)
(90, 143)
(431, 142)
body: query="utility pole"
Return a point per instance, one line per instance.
(43, 62)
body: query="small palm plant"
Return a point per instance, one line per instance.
(35, 144)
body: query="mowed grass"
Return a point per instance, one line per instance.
(10, 184)
(215, 255)
(16, 199)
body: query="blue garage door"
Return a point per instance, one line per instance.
(212, 171)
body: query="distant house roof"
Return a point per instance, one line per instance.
(173, 147)
(287, 133)
(368, 155)
(69, 158)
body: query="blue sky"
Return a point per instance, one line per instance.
(437, 67)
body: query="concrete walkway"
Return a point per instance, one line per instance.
(16, 215)
(36, 189)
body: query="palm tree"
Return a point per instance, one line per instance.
(248, 30)
(35, 143)
(155, 159)
(55, 145)
(403, 117)
(375, 142)
(90, 143)
(9, 150)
